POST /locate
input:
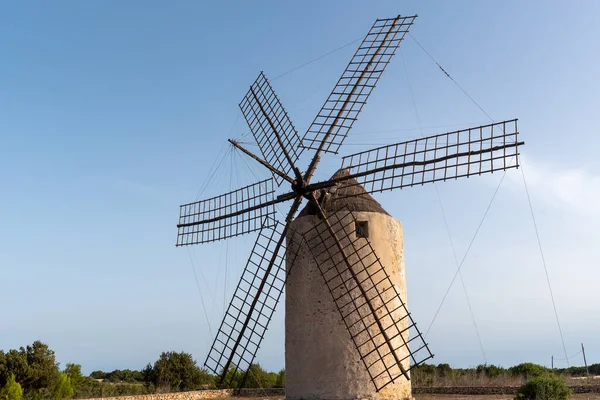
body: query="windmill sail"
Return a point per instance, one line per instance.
(271, 126)
(371, 306)
(331, 126)
(241, 211)
(369, 303)
(252, 306)
(474, 151)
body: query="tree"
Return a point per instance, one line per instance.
(11, 390)
(64, 389)
(125, 375)
(43, 369)
(233, 377)
(148, 374)
(77, 379)
(98, 375)
(280, 381)
(15, 363)
(177, 372)
(257, 377)
(3, 369)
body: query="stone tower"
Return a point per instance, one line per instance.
(321, 359)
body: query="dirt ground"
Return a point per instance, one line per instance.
(584, 396)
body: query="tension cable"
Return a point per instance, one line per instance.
(528, 200)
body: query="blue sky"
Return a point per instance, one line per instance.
(112, 112)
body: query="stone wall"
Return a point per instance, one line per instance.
(202, 394)
(466, 390)
(487, 390)
(219, 394)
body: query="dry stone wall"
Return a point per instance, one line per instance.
(489, 390)
(202, 394)
(220, 394)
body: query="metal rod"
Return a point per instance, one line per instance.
(287, 155)
(317, 206)
(313, 164)
(261, 161)
(289, 217)
(585, 361)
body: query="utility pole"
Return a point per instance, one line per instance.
(552, 362)
(585, 361)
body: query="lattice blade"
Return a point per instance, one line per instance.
(252, 306)
(271, 126)
(371, 316)
(332, 124)
(241, 211)
(452, 155)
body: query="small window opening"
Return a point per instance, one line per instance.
(362, 229)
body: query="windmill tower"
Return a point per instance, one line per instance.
(343, 247)
(322, 360)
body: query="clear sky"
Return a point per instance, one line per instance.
(113, 112)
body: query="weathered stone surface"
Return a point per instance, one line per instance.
(322, 361)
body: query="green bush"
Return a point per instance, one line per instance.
(11, 390)
(233, 378)
(37, 394)
(528, 370)
(257, 377)
(543, 388)
(490, 371)
(443, 370)
(423, 374)
(87, 388)
(175, 372)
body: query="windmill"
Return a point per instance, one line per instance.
(368, 300)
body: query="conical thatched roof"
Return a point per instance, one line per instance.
(348, 194)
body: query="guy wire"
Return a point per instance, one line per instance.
(528, 200)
